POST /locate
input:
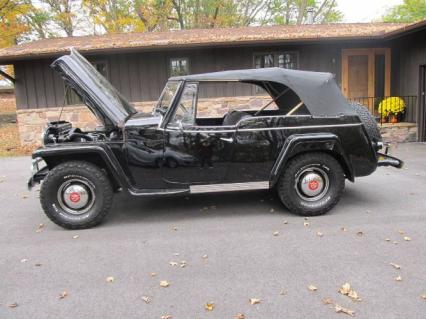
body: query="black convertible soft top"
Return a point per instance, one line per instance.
(318, 90)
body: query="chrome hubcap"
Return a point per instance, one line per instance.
(312, 183)
(76, 196)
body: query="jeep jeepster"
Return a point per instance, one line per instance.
(304, 148)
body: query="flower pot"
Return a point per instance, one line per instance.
(393, 118)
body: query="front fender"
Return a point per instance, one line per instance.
(102, 154)
(302, 143)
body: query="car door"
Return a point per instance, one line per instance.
(194, 154)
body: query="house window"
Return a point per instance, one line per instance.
(72, 98)
(286, 60)
(179, 66)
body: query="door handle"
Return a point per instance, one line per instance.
(229, 140)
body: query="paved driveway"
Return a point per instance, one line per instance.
(242, 257)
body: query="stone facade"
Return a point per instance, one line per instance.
(33, 122)
(399, 132)
(7, 101)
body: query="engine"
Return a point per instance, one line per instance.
(63, 132)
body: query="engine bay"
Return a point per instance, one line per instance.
(64, 132)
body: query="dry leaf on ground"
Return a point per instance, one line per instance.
(240, 316)
(340, 309)
(75, 236)
(306, 224)
(283, 292)
(406, 238)
(395, 266)
(13, 305)
(399, 278)
(24, 260)
(320, 234)
(312, 288)
(183, 264)
(153, 274)
(327, 301)
(401, 232)
(173, 263)
(166, 317)
(110, 279)
(164, 283)
(254, 301)
(39, 228)
(276, 233)
(285, 222)
(360, 233)
(146, 299)
(347, 290)
(209, 306)
(423, 296)
(387, 239)
(343, 228)
(204, 256)
(63, 294)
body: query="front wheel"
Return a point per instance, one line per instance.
(311, 184)
(76, 195)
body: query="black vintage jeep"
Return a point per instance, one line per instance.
(305, 148)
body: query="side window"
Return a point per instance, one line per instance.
(71, 97)
(284, 59)
(185, 109)
(179, 66)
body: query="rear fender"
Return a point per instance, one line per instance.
(303, 143)
(98, 155)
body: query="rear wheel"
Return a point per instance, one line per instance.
(76, 195)
(311, 184)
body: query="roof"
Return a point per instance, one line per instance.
(318, 90)
(201, 37)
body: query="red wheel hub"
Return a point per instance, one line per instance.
(75, 197)
(313, 185)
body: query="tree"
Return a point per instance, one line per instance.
(64, 14)
(409, 11)
(37, 20)
(296, 11)
(11, 27)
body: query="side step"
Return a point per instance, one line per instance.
(229, 187)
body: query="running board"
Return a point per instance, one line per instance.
(214, 188)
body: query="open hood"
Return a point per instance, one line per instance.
(108, 105)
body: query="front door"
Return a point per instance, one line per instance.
(195, 154)
(366, 75)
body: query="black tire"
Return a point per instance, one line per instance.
(90, 178)
(297, 169)
(369, 122)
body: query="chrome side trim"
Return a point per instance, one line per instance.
(228, 187)
(271, 128)
(157, 192)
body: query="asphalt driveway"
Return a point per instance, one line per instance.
(222, 249)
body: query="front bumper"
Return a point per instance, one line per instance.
(39, 171)
(383, 159)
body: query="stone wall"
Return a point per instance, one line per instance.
(7, 101)
(33, 122)
(399, 132)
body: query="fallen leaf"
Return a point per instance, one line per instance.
(285, 222)
(320, 234)
(387, 239)
(75, 236)
(39, 228)
(205, 257)
(240, 316)
(406, 238)
(347, 290)
(13, 305)
(153, 274)
(254, 301)
(183, 264)
(399, 278)
(276, 233)
(423, 296)
(401, 232)
(166, 317)
(24, 196)
(146, 299)
(395, 266)
(173, 263)
(343, 228)
(24, 260)
(283, 292)
(368, 211)
(360, 233)
(164, 283)
(395, 242)
(63, 294)
(37, 265)
(327, 301)
(174, 228)
(312, 288)
(209, 306)
(306, 218)
(109, 279)
(340, 309)
(176, 254)
(306, 224)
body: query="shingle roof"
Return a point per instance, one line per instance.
(201, 37)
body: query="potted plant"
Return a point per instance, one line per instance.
(390, 108)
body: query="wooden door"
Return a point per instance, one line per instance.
(359, 75)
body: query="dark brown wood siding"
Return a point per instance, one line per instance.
(141, 76)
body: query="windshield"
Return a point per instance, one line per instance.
(167, 97)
